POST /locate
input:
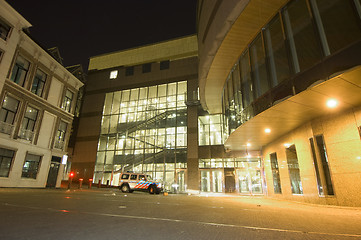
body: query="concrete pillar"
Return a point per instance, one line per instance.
(192, 139)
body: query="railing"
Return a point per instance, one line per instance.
(26, 134)
(59, 144)
(6, 128)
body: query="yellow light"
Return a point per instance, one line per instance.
(267, 130)
(287, 145)
(332, 103)
(248, 144)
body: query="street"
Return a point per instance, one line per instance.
(110, 214)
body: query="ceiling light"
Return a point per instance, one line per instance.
(267, 130)
(332, 103)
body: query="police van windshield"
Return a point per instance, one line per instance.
(149, 177)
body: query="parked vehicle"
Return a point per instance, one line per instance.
(130, 182)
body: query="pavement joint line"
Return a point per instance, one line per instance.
(185, 221)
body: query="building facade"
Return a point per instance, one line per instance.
(286, 77)
(141, 113)
(38, 99)
(135, 115)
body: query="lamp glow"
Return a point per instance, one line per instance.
(332, 103)
(267, 130)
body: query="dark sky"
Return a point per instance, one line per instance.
(85, 28)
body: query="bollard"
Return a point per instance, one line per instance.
(80, 183)
(99, 183)
(90, 182)
(107, 183)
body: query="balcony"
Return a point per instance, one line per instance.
(59, 144)
(26, 134)
(6, 128)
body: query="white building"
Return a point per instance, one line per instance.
(37, 102)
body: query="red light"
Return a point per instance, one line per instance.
(71, 174)
(80, 179)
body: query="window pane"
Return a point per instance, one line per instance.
(4, 30)
(258, 65)
(293, 170)
(8, 110)
(31, 166)
(276, 52)
(340, 22)
(246, 84)
(275, 173)
(301, 35)
(6, 158)
(326, 170)
(317, 170)
(38, 83)
(20, 71)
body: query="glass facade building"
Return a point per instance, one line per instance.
(143, 130)
(301, 35)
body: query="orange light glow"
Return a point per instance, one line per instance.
(332, 103)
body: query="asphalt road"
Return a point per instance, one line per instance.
(109, 214)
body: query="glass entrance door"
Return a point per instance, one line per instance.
(249, 181)
(181, 180)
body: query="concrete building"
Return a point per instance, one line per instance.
(134, 114)
(37, 102)
(141, 113)
(286, 76)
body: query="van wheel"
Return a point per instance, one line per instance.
(125, 188)
(152, 189)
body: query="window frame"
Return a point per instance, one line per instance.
(60, 135)
(9, 31)
(39, 80)
(20, 68)
(37, 167)
(11, 161)
(27, 133)
(16, 113)
(65, 105)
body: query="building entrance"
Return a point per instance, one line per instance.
(242, 175)
(53, 172)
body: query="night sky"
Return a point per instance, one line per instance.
(85, 28)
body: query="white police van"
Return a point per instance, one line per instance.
(129, 182)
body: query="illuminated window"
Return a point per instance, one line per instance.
(28, 124)
(67, 100)
(31, 166)
(113, 74)
(8, 112)
(60, 135)
(144, 130)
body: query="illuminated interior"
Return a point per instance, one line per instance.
(143, 130)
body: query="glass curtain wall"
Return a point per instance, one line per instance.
(297, 38)
(210, 130)
(143, 130)
(248, 177)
